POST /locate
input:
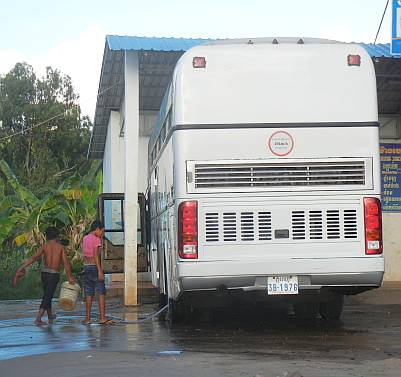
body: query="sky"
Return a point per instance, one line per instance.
(70, 35)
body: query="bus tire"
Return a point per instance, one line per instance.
(306, 310)
(172, 315)
(333, 308)
(173, 312)
(163, 296)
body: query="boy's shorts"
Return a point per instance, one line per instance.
(92, 282)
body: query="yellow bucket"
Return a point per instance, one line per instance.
(68, 295)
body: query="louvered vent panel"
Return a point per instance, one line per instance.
(265, 226)
(279, 174)
(315, 225)
(333, 224)
(350, 224)
(257, 226)
(212, 227)
(247, 226)
(298, 225)
(229, 226)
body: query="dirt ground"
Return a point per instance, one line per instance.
(237, 342)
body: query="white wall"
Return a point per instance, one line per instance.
(113, 159)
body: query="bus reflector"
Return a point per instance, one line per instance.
(188, 230)
(199, 62)
(373, 226)
(354, 60)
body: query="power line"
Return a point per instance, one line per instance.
(55, 116)
(378, 30)
(34, 126)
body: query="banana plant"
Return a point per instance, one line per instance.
(71, 208)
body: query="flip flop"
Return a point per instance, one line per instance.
(86, 323)
(107, 322)
(39, 323)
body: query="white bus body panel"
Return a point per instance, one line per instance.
(284, 83)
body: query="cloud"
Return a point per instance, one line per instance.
(8, 58)
(80, 58)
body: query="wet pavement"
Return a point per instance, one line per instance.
(240, 341)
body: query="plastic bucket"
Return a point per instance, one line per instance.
(68, 295)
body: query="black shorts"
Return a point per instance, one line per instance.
(49, 282)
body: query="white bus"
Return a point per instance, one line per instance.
(264, 176)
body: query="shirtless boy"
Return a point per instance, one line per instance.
(53, 255)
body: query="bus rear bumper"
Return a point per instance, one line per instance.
(312, 273)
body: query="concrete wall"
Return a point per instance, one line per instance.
(390, 132)
(113, 159)
(392, 246)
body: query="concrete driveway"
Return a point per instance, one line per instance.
(238, 342)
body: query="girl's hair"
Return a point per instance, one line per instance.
(96, 224)
(51, 233)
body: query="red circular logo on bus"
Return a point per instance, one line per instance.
(281, 143)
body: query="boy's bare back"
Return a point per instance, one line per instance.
(53, 255)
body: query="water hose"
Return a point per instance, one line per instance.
(119, 320)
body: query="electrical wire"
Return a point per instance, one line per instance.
(378, 30)
(55, 116)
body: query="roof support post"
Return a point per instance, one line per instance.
(131, 139)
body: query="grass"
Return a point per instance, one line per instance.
(29, 287)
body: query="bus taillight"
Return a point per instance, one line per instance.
(354, 60)
(199, 62)
(373, 226)
(188, 230)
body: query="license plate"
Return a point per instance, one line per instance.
(282, 285)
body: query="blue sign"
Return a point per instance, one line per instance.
(390, 162)
(396, 28)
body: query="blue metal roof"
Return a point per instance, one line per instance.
(380, 50)
(116, 42)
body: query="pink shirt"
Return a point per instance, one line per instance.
(89, 245)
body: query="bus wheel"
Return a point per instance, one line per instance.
(333, 308)
(306, 310)
(173, 316)
(162, 299)
(163, 296)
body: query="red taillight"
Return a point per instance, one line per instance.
(373, 226)
(354, 60)
(199, 62)
(188, 230)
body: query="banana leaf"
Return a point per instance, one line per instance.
(24, 194)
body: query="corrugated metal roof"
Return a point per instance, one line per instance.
(127, 43)
(380, 50)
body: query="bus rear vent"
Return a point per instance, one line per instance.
(317, 175)
(330, 224)
(257, 226)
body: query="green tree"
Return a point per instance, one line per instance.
(53, 136)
